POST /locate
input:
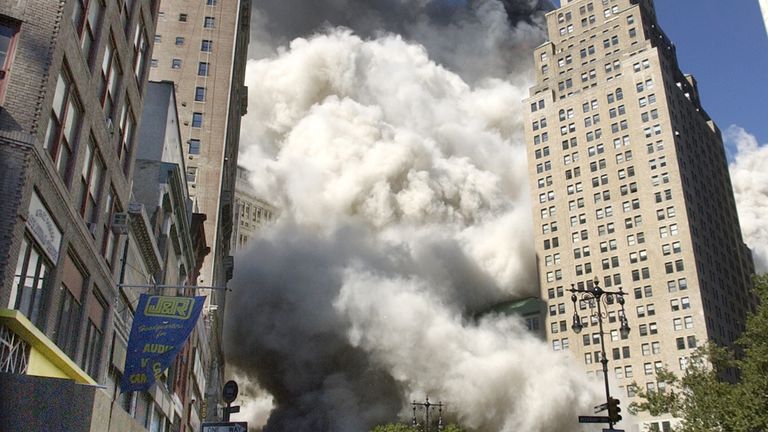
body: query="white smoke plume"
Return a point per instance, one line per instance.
(750, 187)
(393, 146)
(404, 194)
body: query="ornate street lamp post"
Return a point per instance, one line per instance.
(594, 295)
(427, 406)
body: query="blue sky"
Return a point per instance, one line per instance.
(724, 45)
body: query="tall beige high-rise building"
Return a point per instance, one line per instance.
(630, 187)
(201, 45)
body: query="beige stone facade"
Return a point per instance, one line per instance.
(200, 47)
(251, 212)
(630, 186)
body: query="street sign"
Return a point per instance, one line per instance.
(225, 427)
(601, 408)
(229, 393)
(594, 419)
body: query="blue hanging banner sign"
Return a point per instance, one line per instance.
(161, 326)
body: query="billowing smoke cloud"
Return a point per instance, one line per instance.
(475, 38)
(404, 197)
(750, 187)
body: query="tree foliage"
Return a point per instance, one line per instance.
(721, 389)
(400, 427)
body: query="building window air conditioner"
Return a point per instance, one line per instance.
(120, 223)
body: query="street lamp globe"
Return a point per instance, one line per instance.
(577, 326)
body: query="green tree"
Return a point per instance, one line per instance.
(394, 427)
(400, 427)
(721, 389)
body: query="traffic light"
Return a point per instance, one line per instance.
(614, 410)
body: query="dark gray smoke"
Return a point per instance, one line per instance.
(475, 38)
(294, 338)
(343, 328)
(297, 341)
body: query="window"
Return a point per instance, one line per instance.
(209, 22)
(94, 334)
(194, 146)
(183, 17)
(30, 282)
(680, 342)
(109, 241)
(179, 40)
(111, 74)
(648, 368)
(199, 94)
(68, 318)
(643, 329)
(8, 34)
(214, 2)
(202, 69)
(191, 174)
(90, 183)
(125, 15)
(64, 124)
(140, 50)
(197, 120)
(646, 349)
(688, 322)
(86, 20)
(206, 45)
(176, 63)
(127, 129)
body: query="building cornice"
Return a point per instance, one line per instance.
(140, 226)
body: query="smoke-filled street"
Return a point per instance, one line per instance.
(393, 147)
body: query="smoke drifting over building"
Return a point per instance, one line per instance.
(394, 148)
(475, 38)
